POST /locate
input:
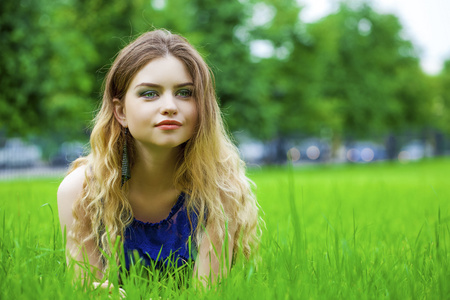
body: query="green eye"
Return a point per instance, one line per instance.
(184, 93)
(149, 94)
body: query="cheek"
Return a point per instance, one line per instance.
(195, 115)
(190, 112)
(195, 119)
(139, 113)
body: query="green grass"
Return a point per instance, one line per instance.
(378, 231)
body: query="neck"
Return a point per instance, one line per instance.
(154, 169)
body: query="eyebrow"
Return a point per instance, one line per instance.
(158, 86)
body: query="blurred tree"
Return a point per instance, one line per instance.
(441, 101)
(208, 26)
(293, 74)
(44, 71)
(240, 86)
(285, 66)
(282, 54)
(368, 69)
(23, 67)
(106, 26)
(71, 81)
(348, 73)
(174, 15)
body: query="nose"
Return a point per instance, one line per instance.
(168, 105)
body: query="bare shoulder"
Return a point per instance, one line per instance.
(72, 185)
(69, 190)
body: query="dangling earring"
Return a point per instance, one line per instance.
(126, 172)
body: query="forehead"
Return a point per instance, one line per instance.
(167, 70)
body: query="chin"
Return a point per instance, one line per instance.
(171, 145)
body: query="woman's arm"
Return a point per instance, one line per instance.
(215, 255)
(68, 192)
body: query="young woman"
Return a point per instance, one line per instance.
(162, 175)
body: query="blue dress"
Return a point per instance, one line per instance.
(164, 243)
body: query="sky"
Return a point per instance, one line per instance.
(426, 23)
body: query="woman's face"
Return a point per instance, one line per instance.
(159, 109)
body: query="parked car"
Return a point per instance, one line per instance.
(365, 152)
(310, 150)
(18, 154)
(314, 150)
(67, 153)
(414, 150)
(252, 151)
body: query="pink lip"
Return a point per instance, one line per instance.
(168, 125)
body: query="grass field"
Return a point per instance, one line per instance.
(378, 231)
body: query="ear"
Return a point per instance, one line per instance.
(119, 112)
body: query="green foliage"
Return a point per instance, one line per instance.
(22, 64)
(332, 232)
(367, 72)
(441, 101)
(351, 73)
(238, 87)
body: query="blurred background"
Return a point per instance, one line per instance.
(348, 86)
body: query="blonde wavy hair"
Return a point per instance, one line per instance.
(209, 169)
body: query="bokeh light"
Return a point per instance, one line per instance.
(293, 154)
(313, 152)
(367, 154)
(404, 156)
(353, 155)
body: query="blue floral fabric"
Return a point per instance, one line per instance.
(156, 242)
